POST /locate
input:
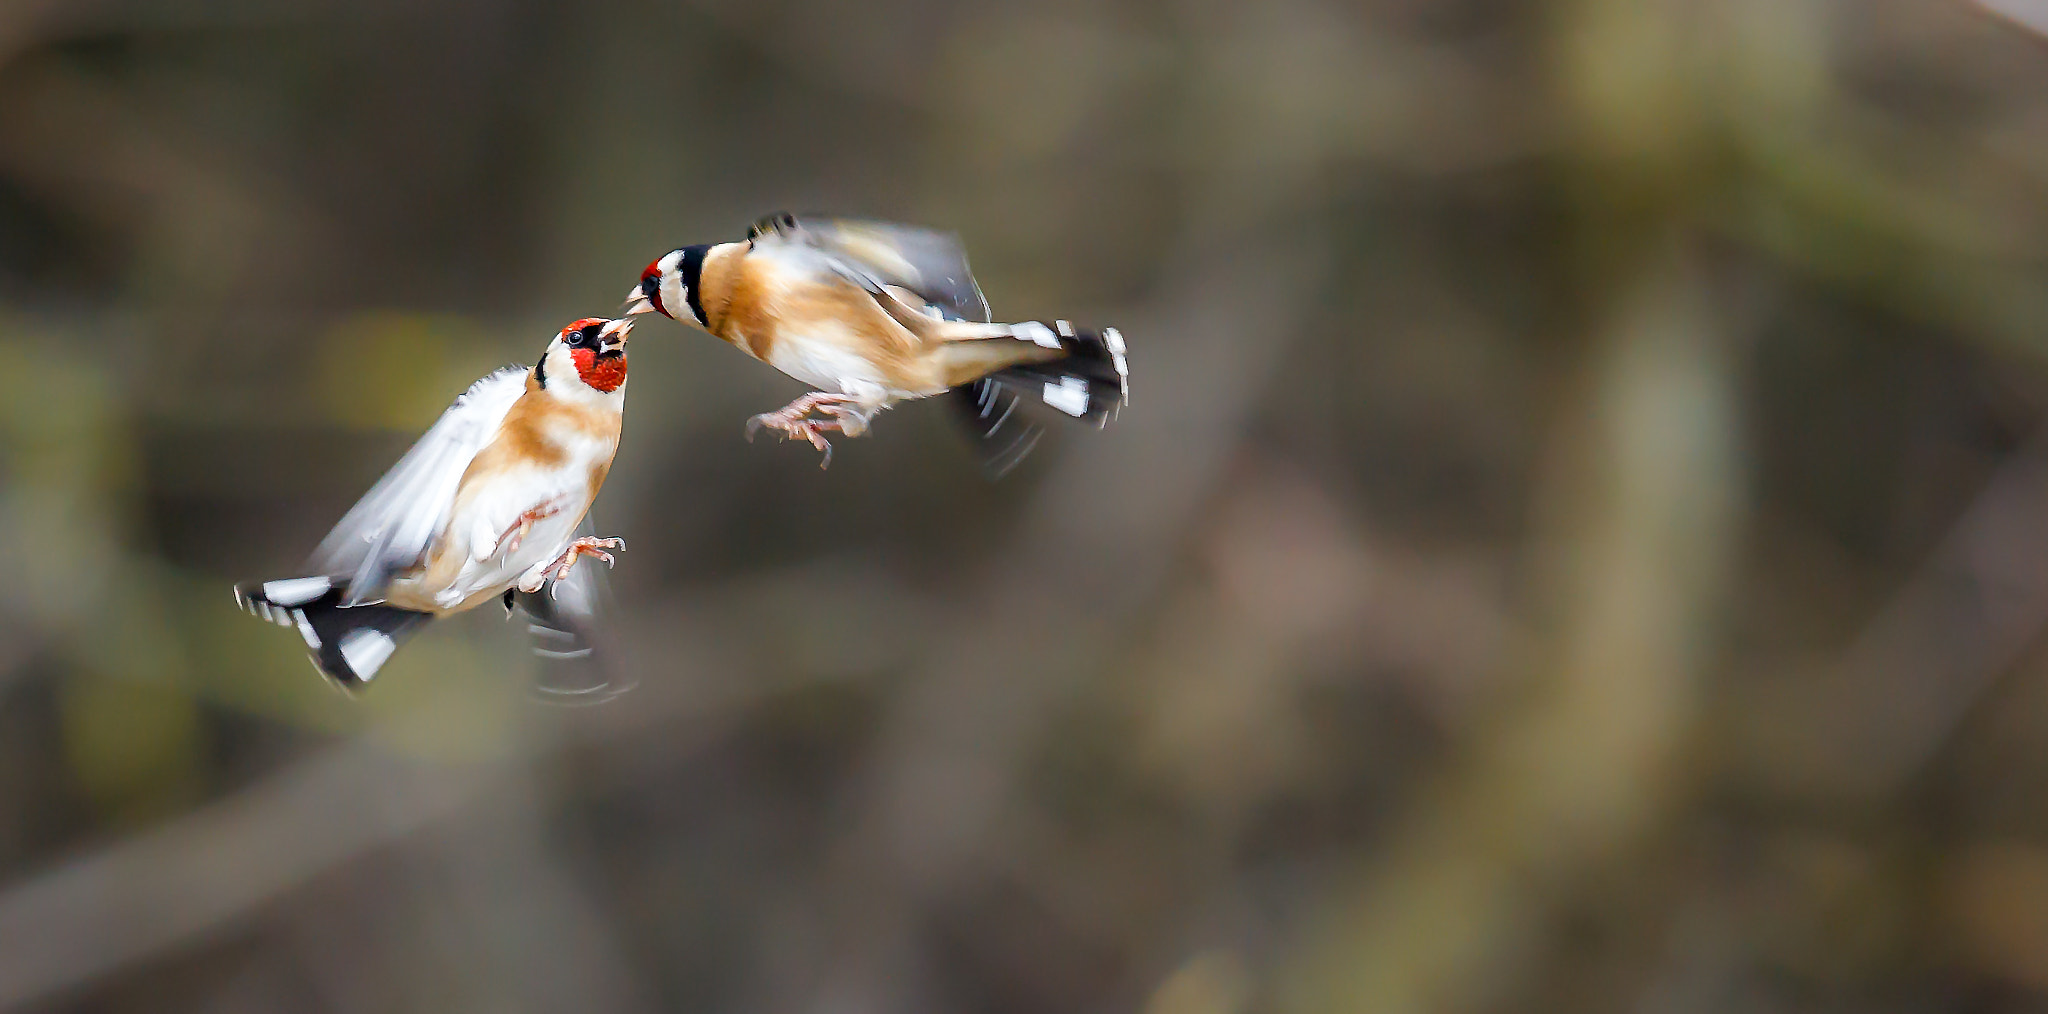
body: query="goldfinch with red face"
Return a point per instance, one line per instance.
(871, 314)
(485, 506)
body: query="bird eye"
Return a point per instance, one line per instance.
(575, 337)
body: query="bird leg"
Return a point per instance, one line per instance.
(561, 566)
(790, 422)
(509, 540)
(848, 418)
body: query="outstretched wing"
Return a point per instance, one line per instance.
(873, 254)
(390, 528)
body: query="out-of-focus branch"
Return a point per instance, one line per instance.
(177, 883)
(170, 887)
(1934, 649)
(1094, 546)
(1575, 775)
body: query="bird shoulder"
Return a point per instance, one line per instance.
(723, 278)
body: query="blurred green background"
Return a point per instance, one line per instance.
(1579, 540)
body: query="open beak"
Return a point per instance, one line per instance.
(612, 337)
(637, 302)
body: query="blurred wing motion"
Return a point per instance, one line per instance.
(563, 619)
(875, 254)
(388, 530)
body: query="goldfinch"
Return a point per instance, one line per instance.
(871, 314)
(486, 506)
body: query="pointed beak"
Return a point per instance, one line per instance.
(612, 337)
(637, 302)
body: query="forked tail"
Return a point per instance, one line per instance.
(1089, 381)
(348, 644)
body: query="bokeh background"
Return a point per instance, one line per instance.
(1579, 541)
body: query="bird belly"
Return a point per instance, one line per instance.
(468, 566)
(831, 365)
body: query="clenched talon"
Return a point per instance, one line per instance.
(586, 546)
(847, 417)
(799, 429)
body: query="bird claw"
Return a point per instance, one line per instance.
(792, 425)
(585, 546)
(845, 411)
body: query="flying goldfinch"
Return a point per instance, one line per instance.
(486, 506)
(872, 314)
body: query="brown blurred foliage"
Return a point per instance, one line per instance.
(1579, 541)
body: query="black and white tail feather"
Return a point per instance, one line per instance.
(1091, 383)
(348, 644)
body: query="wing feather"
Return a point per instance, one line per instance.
(875, 254)
(389, 529)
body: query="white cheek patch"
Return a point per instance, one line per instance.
(1070, 395)
(675, 296)
(365, 651)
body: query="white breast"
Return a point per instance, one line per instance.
(826, 364)
(488, 507)
(490, 567)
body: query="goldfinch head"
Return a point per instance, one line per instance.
(590, 353)
(669, 286)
